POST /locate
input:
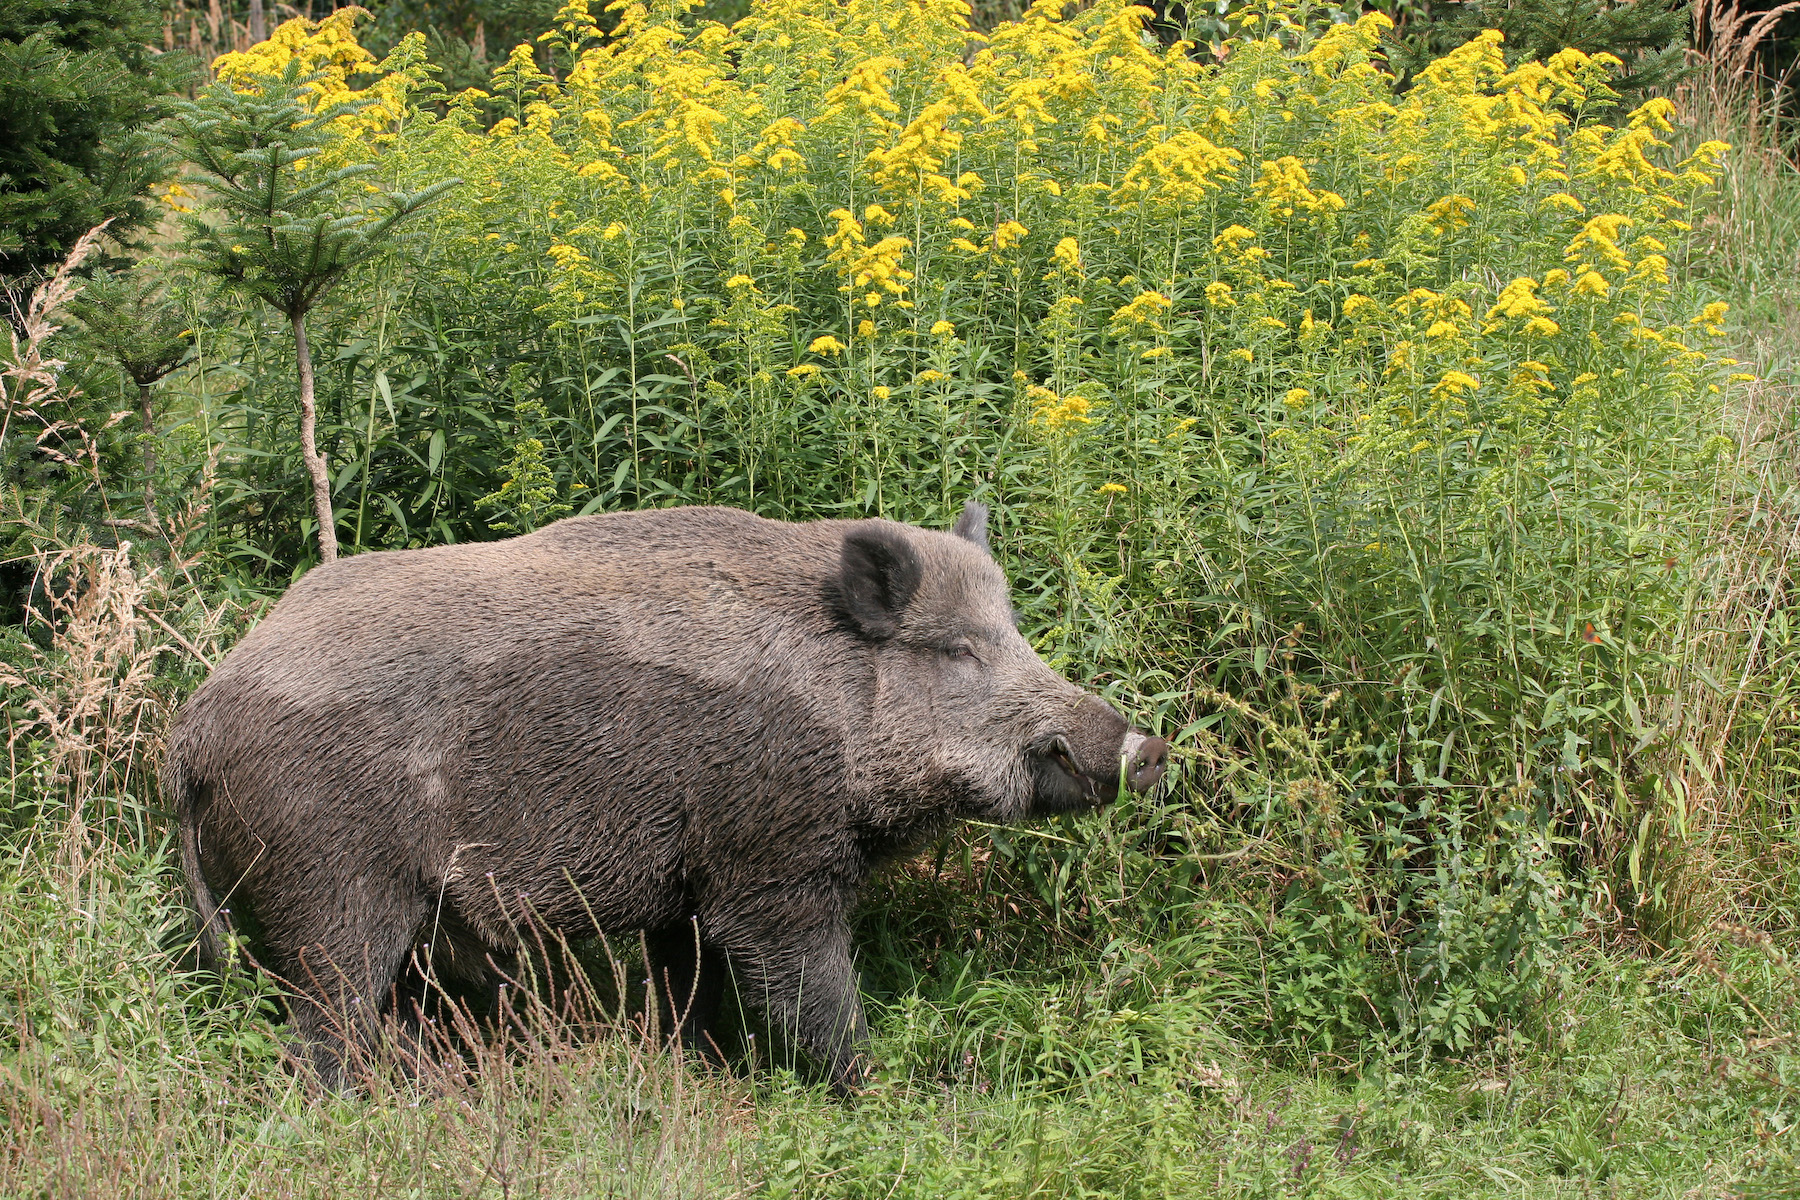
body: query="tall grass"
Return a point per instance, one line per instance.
(1738, 712)
(1749, 242)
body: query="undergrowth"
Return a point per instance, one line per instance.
(1370, 445)
(1386, 451)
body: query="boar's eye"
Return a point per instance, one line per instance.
(960, 650)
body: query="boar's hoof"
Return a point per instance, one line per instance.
(847, 1078)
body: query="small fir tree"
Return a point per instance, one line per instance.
(130, 317)
(283, 225)
(79, 85)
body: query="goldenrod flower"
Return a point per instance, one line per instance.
(1058, 413)
(943, 329)
(1142, 310)
(1519, 299)
(1601, 236)
(567, 257)
(1455, 383)
(825, 345)
(1179, 172)
(174, 194)
(1229, 237)
(1286, 188)
(1451, 212)
(1592, 283)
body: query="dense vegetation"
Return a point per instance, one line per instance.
(1382, 446)
(78, 87)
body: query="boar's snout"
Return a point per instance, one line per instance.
(1080, 765)
(1145, 758)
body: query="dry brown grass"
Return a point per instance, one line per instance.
(1748, 239)
(1724, 792)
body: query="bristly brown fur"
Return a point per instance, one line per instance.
(638, 721)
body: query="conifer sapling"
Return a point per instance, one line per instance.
(285, 225)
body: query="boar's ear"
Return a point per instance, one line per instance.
(972, 525)
(876, 582)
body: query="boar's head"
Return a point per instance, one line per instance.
(964, 710)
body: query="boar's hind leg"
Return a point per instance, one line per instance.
(796, 967)
(343, 977)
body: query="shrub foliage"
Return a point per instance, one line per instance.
(1362, 441)
(78, 82)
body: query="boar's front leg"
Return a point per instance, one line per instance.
(793, 961)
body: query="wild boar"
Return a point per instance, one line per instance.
(691, 722)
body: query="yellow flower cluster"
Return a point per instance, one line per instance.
(1058, 189)
(1179, 172)
(1145, 310)
(327, 48)
(1058, 414)
(874, 267)
(1518, 300)
(1285, 187)
(328, 51)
